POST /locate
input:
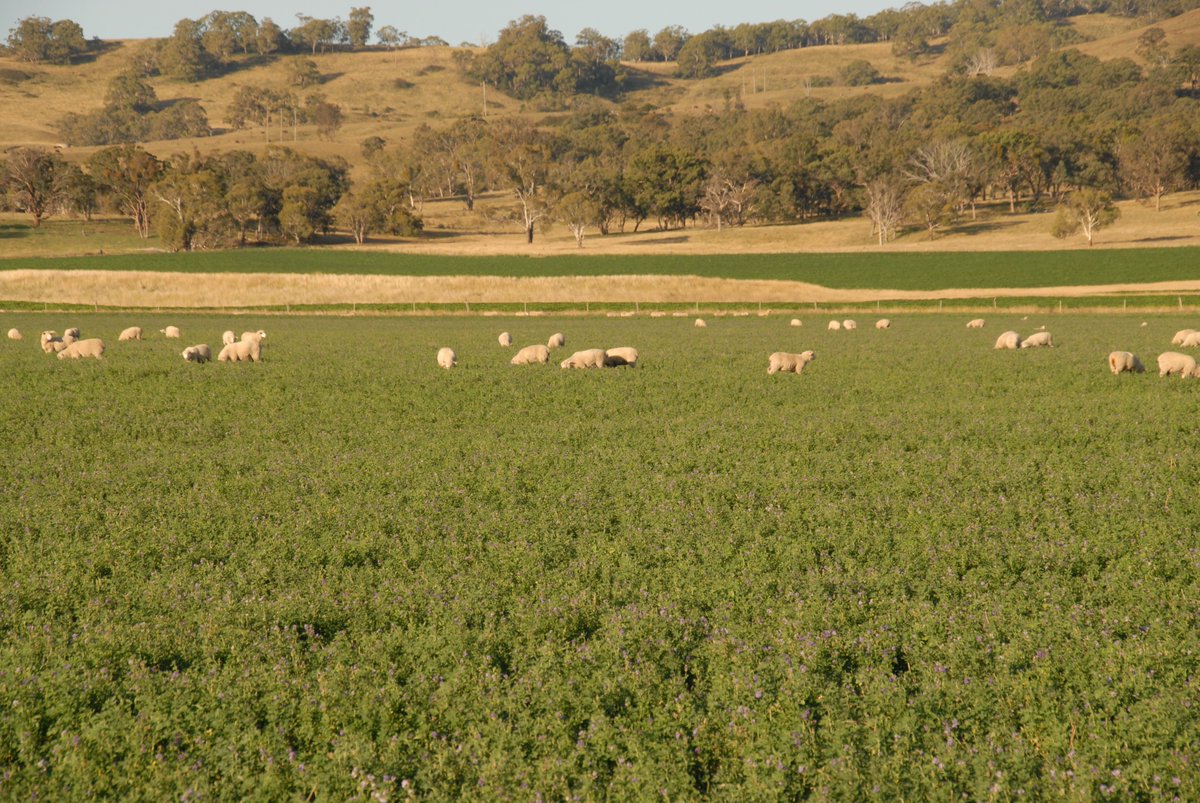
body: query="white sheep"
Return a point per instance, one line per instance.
(241, 351)
(849, 324)
(170, 331)
(1191, 341)
(556, 341)
(505, 339)
(228, 337)
(1120, 361)
(48, 340)
(589, 358)
(796, 322)
(447, 358)
(1172, 362)
(976, 323)
(700, 324)
(531, 355)
(132, 333)
(198, 353)
(72, 333)
(1008, 340)
(1038, 339)
(624, 355)
(93, 347)
(883, 323)
(834, 326)
(1181, 336)
(257, 337)
(15, 334)
(783, 362)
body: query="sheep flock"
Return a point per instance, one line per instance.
(249, 348)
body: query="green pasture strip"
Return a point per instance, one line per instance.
(863, 270)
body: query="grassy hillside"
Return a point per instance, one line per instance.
(389, 94)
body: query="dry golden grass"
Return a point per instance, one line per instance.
(232, 291)
(1181, 30)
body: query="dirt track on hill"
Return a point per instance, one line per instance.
(232, 290)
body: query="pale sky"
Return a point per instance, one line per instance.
(456, 22)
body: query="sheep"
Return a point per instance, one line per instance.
(1038, 339)
(447, 358)
(883, 323)
(1120, 361)
(132, 333)
(72, 333)
(241, 351)
(228, 337)
(849, 324)
(198, 353)
(505, 339)
(589, 358)
(1181, 336)
(796, 322)
(700, 324)
(1191, 341)
(15, 334)
(170, 331)
(257, 337)
(1008, 340)
(93, 347)
(1172, 362)
(783, 362)
(625, 355)
(976, 323)
(556, 341)
(834, 326)
(531, 354)
(48, 340)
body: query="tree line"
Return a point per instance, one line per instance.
(1068, 128)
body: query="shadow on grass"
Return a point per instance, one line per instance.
(10, 231)
(982, 227)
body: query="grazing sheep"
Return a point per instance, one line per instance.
(15, 334)
(1120, 361)
(1181, 336)
(447, 358)
(93, 347)
(170, 331)
(700, 324)
(625, 355)
(72, 333)
(1038, 339)
(1008, 340)
(795, 322)
(531, 355)
(257, 337)
(198, 353)
(783, 362)
(883, 323)
(1191, 341)
(1172, 362)
(977, 323)
(589, 358)
(228, 337)
(849, 324)
(241, 351)
(556, 341)
(505, 339)
(132, 333)
(48, 340)
(834, 326)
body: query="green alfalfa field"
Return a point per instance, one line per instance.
(922, 569)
